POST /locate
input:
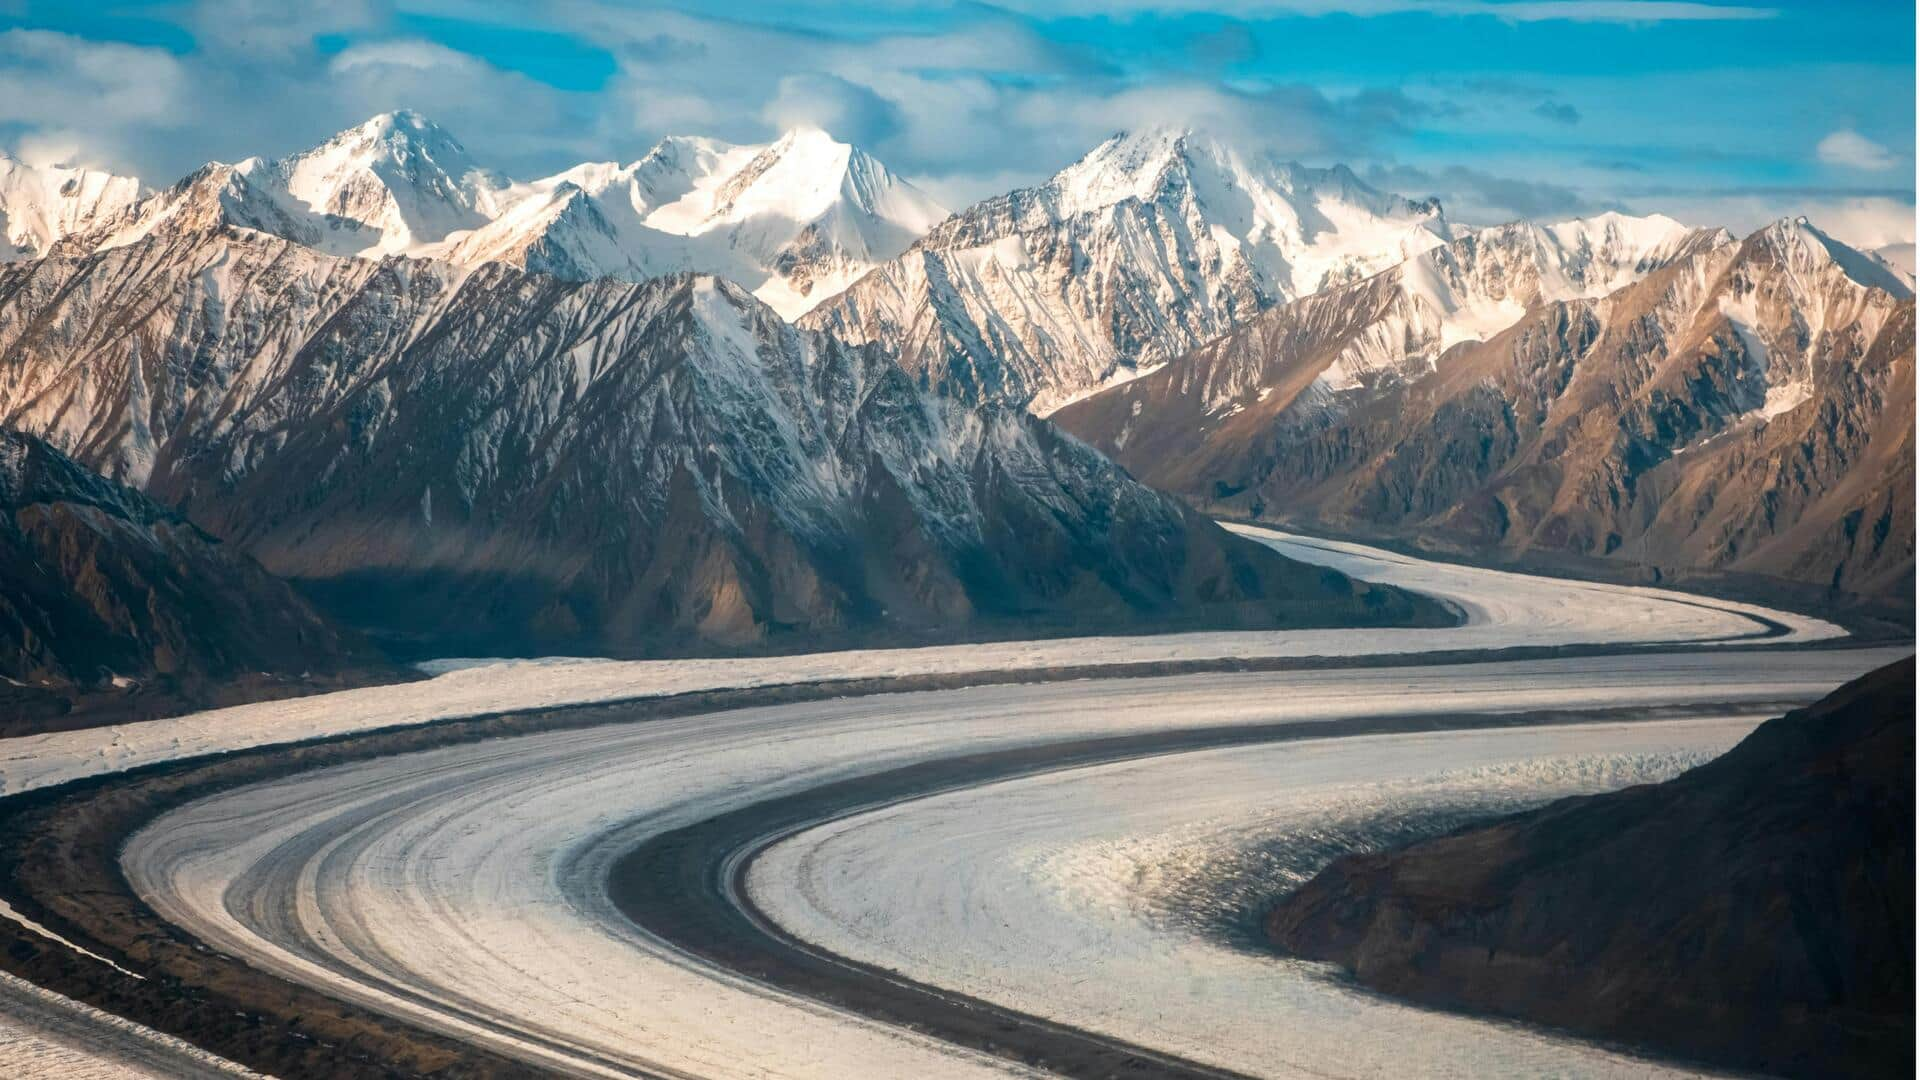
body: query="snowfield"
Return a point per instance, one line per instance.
(1504, 610)
(44, 1036)
(465, 887)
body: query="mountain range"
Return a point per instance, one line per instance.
(748, 396)
(1736, 405)
(490, 459)
(1148, 246)
(795, 220)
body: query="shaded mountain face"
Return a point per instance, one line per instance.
(492, 460)
(1743, 406)
(100, 586)
(795, 220)
(1150, 245)
(1755, 913)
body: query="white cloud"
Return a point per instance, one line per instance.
(964, 189)
(50, 78)
(1477, 197)
(80, 102)
(503, 117)
(1852, 150)
(1618, 11)
(45, 148)
(1866, 222)
(407, 54)
(144, 111)
(930, 103)
(1609, 11)
(811, 99)
(275, 30)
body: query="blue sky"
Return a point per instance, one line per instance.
(1716, 113)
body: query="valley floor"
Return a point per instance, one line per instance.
(465, 887)
(1504, 610)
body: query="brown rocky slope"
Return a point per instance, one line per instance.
(1747, 408)
(1756, 912)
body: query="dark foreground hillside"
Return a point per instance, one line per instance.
(104, 593)
(1756, 912)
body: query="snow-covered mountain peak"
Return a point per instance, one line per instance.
(396, 134)
(1127, 165)
(398, 177)
(395, 184)
(1400, 323)
(590, 176)
(41, 204)
(1614, 227)
(403, 124)
(665, 174)
(1803, 250)
(1590, 257)
(676, 163)
(1149, 245)
(1796, 239)
(1153, 162)
(795, 220)
(1488, 279)
(810, 139)
(1303, 228)
(692, 153)
(62, 179)
(1621, 220)
(400, 147)
(1300, 228)
(799, 176)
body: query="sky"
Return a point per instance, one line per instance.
(1715, 113)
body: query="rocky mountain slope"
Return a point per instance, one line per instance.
(100, 588)
(1151, 244)
(502, 461)
(1755, 913)
(795, 220)
(1744, 406)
